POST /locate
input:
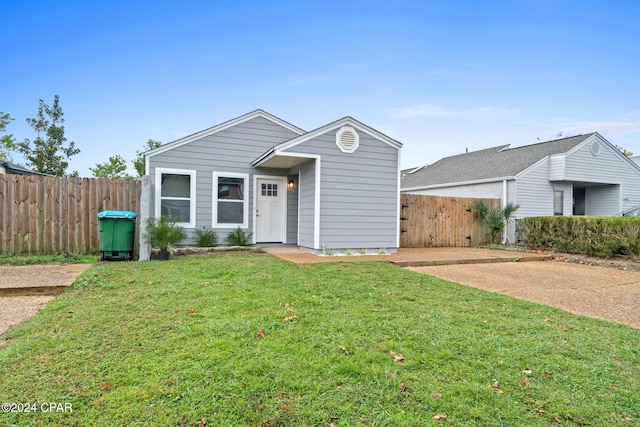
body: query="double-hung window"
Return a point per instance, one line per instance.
(230, 201)
(175, 195)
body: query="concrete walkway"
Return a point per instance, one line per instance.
(415, 257)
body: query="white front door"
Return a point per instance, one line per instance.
(269, 210)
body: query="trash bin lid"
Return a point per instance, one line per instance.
(117, 214)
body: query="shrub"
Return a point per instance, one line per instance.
(595, 236)
(163, 233)
(206, 238)
(239, 238)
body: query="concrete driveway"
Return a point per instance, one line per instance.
(600, 292)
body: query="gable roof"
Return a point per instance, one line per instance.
(221, 127)
(345, 121)
(491, 163)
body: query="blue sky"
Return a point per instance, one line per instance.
(438, 76)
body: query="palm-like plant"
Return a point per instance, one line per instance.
(495, 220)
(163, 233)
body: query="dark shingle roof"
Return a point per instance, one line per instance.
(12, 168)
(495, 162)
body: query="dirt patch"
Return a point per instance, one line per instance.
(17, 309)
(627, 264)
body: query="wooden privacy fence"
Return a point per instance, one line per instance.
(438, 221)
(50, 215)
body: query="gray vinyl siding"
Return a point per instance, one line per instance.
(306, 206)
(292, 211)
(231, 150)
(358, 194)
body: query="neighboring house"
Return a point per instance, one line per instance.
(334, 188)
(7, 167)
(579, 175)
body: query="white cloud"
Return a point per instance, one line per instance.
(603, 127)
(306, 80)
(438, 111)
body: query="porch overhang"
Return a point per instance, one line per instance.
(280, 160)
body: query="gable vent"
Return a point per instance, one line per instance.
(347, 139)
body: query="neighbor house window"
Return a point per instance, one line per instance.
(175, 195)
(558, 202)
(230, 201)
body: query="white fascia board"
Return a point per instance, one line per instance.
(457, 184)
(221, 127)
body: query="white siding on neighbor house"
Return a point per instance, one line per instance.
(557, 167)
(602, 200)
(358, 194)
(231, 150)
(535, 192)
(608, 167)
(486, 190)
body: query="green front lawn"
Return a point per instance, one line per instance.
(250, 340)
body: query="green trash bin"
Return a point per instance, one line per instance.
(117, 235)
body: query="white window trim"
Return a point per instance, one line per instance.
(192, 190)
(245, 202)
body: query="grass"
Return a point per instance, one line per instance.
(62, 258)
(168, 343)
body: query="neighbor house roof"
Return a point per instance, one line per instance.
(491, 163)
(12, 168)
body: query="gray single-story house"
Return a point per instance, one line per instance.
(334, 188)
(579, 175)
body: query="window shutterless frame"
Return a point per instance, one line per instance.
(230, 208)
(175, 195)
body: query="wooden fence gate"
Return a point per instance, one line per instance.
(49, 215)
(438, 221)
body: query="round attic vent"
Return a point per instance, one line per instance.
(595, 148)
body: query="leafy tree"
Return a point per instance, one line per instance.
(138, 163)
(114, 168)
(624, 151)
(7, 139)
(48, 153)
